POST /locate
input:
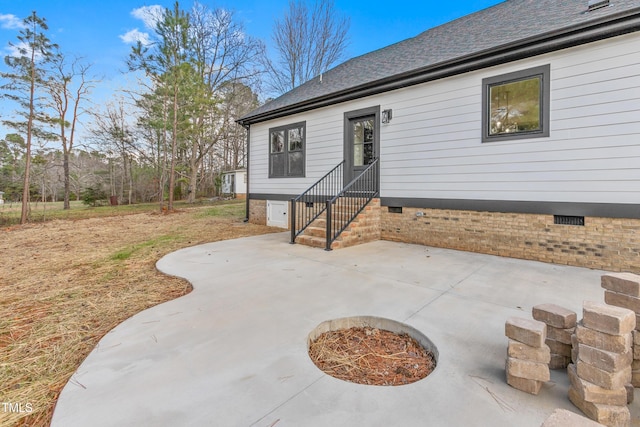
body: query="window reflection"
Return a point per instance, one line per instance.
(277, 141)
(295, 139)
(363, 135)
(515, 107)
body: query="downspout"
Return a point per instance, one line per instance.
(246, 208)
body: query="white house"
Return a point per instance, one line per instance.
(513, 131)
(235, 182)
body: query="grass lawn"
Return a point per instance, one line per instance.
(66, 282)
(42, 212)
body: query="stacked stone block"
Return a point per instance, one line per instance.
(528, 356)
(564, 418)
(603, 367)
(561, 325)
(623, 290)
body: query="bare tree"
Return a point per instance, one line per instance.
(309, 40)
(68, 87)
(238, 99)
(113, 132)
(223, 57)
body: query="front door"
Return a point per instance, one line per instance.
(362, 141)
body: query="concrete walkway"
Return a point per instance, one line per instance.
(233, 352)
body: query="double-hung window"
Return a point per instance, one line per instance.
(516, 105)
(287, 150)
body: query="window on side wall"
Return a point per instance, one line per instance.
(516, 105)
(287, 150)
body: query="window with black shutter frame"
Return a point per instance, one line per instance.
(287, 151)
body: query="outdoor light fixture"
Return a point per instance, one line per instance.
(386, 116)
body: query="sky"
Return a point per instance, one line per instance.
(102, 32)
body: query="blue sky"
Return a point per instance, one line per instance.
(98, 30)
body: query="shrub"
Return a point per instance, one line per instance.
(94, 197)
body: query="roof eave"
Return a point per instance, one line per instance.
(610, 26)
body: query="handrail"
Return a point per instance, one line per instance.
(350, 201)
(314, 199)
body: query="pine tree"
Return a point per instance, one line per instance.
(34, 51)
(164, 62)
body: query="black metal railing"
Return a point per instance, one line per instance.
(309, 205)
(345, 206)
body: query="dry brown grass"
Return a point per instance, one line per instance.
(65, 284)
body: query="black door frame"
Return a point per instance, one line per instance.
(348, 143)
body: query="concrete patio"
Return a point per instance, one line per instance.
(233, 352)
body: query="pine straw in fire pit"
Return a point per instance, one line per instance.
(371, 356)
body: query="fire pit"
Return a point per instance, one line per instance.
(372, 350)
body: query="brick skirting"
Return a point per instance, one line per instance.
(602, 243)
(258, 212)
(611, 244)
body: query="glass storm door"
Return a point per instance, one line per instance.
(361, 145)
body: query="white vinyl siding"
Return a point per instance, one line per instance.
(432, 148)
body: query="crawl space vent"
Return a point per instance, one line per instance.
(568, 220)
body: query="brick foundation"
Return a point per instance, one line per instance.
(611, 244)
(258, 212)
(365, 228)
(602, 243)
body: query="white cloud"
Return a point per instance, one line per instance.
(18, 50)
(13, 50)
(150, 15)
(10, 22)
(134, 36)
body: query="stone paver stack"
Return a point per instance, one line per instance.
(564, 418)
(623, 290)
(561, 325)
(528, 356)
(603, 369)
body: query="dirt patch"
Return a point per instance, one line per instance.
(65, 284)
(371, 356)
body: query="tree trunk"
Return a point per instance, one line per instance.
(126, 173)
(193, 179)
(67, 180)
(112, 178)
(174, 147)
(130, 180)
(24, 214)
(162, 158)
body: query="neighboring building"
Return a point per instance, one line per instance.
(512, 131)
(235, 183)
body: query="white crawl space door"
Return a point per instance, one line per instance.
(277, 213)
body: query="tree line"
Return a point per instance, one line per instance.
(170, 137)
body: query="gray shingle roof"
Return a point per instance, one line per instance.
(513, 23)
